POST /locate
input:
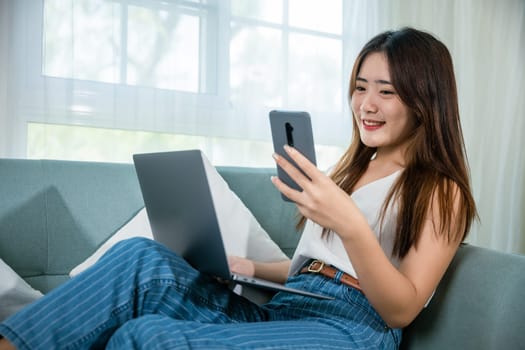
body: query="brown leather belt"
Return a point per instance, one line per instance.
(317, 266)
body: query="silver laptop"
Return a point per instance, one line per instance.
(182, 215)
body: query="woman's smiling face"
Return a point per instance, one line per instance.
(384, 121)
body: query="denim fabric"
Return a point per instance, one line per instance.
(140, 295)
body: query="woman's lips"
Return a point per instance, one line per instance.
(372, 125)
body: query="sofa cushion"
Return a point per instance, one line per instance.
(15, 293)
(276, 216)
(242, 234)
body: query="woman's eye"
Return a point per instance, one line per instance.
(359, 88)
(387, 92)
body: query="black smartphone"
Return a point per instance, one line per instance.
(293, 128)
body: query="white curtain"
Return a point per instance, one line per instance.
(250, 59)
(487, 41)
(4, 37)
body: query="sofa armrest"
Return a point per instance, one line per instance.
(479, 304)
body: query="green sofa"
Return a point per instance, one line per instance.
(54, 214)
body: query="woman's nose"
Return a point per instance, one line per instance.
(368, 104)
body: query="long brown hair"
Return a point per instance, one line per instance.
(422, 73)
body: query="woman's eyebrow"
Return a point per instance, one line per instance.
(378, 81)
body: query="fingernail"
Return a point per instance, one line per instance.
(275, 156)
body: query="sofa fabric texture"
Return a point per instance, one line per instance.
(54, 214)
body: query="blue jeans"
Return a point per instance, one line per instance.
(141, 295)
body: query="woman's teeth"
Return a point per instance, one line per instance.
(372, 122)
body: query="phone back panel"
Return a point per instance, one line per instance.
(293, 128)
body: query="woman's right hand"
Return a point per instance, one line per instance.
(241, 265)
(276, 271)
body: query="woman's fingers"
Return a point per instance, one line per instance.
(309, 168)
(286, 190)
(303, 172)
(294, 173)
(302, 166)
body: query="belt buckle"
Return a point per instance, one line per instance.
(313, 269)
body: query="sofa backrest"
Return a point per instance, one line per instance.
(54, 214)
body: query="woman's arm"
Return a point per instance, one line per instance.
(398, 295)
(271, 271)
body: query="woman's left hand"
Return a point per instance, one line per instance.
(321, 200)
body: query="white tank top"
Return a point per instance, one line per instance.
(369, 199)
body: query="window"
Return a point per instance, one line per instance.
(179, 74)
(288, 53)
(157, 44)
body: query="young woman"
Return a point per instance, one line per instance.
(381, 229)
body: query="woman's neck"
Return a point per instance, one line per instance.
(390, 158)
